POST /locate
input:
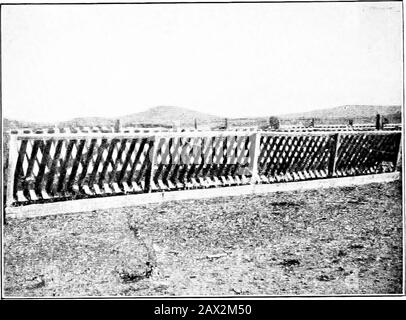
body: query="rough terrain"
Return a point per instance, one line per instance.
(322, 242)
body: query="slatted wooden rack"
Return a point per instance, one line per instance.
(48, 168)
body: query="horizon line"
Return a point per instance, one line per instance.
(112, 118)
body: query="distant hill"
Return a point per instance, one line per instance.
(156, 116)
(167, 116)
(349, 111)
(87, 122)
(16, 124)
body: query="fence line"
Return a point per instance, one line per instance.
(130, 130)
(327, 127)
(53, 167)
(141, 130)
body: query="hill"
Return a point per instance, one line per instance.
(348, 111)
(152, 117)
(87, 122)
(17, 124)
(168, 115)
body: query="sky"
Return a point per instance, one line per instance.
(231, 60)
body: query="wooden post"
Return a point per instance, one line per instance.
(149, 175)
(195, 123)
(312, 123)
(12, 161)
(398, 165)
(334, 145)
(378, 122)
(117, 126)
(254, 154)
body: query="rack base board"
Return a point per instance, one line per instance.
(86, 205)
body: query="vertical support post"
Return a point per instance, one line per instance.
(398, 164)
(195, 123)
(149, 175)
(378, 122)
(117, 126)
(12, 161)
(312, 123)
(254, 154)
(334, 145)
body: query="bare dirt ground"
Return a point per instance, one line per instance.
(321, 242)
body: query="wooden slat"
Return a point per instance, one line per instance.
(231, 157)
(169, 166)
(310, 149)
(192, 164)
(18, 174)
(75, 165)
(142, 150)
(216, 156)
(126, 162)
(354, 145)
(12, 162)
(243, 152)
(398, 150)
(102, 177)
(288, 160)
(208, 157)
(150, 163)
(100, 150)
(346, 142)
(254, 152)
(272, 167)
(176, 159)
(50, 184)
(39, 183)
(202, 163)
(33, 158)
(322, 156)
(117, 161)
(85, 165)
(64, 166)
(162, 151)
(297, 163)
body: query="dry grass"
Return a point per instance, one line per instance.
(335, 241)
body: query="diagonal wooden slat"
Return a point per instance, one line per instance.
(117, 161)
(142, 149)
(102, 177)
(162, 153)
(126, 161)
(39, 183)
(100, 150)
(145, 164)
(19, 172)
(75, 165)
(50, 184)
(149, 165)
(86, 162)
(64, 166)
(33, 157)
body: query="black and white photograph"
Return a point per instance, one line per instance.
(202, 150)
